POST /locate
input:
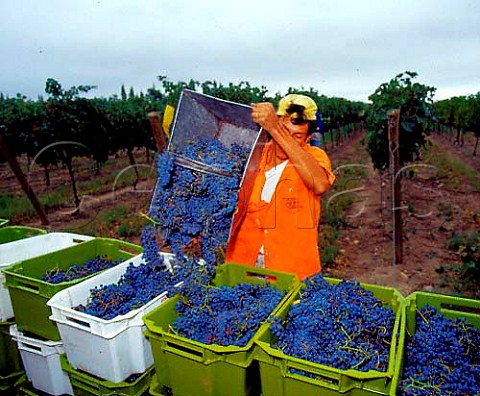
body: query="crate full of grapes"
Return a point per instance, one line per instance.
(100, 319)
(207, 331)
(442, 346)
(32, 282)
(26, 248)
(333, 337)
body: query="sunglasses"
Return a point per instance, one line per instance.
(298, 121)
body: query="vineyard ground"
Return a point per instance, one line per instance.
(435, 211)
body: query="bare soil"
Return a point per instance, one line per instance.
(432, 212)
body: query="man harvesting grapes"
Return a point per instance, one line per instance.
(278, 228)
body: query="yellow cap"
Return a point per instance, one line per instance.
(301, 100)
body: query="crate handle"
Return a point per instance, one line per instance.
(324, 380)
(130, 248)
(464, 309)
(79, 240)
(28, 287)
(185, 351)
(132, 251)
(29, 347)
(85, 384)
(77, 321)
(265, 277)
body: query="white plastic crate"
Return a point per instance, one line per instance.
(110, 349)
(13, 252)
(41, 360)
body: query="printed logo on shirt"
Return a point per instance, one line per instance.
(293, 203)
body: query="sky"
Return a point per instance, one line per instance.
(341, 48)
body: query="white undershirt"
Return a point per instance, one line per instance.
(272, 177)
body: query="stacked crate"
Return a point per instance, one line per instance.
(113, 350)
(11, 367)
(211, 369)
(36, 335)
(286, 375)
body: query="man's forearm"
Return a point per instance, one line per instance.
(310, 171)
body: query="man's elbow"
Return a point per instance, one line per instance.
(321, 188)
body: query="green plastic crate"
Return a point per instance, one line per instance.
(11, 367)
(29, 293)
(277, 379)
(449, 306)
(155, 388)
(24, 388)
(84, 384)
(15, 233)
(188, 367)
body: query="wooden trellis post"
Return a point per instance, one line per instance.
(160, 141)
(394, 152)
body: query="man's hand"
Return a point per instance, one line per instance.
(264, 115)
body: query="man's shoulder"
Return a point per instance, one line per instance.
(317, 152)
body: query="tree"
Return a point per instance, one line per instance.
(416, 118)
(473, 118)
(398, 121)
(129, 126)
(461, 113)
(74, 128)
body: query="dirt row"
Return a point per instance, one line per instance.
(432, 212)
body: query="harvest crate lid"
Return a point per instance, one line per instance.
(200, 115)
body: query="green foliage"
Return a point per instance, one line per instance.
(75, 120)
(452, 170)
(173, 90)
(460, 112)
(118, 222)
(334, 210)
(127, 231)
(242, 93)
(128, 124)
(467, 245)
(106, 126)
(416, 118)
(22, 123)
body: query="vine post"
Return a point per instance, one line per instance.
(393, 145)
(160, 141)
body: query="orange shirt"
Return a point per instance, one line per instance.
(286, 227)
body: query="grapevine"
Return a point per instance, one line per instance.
(342, 326)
